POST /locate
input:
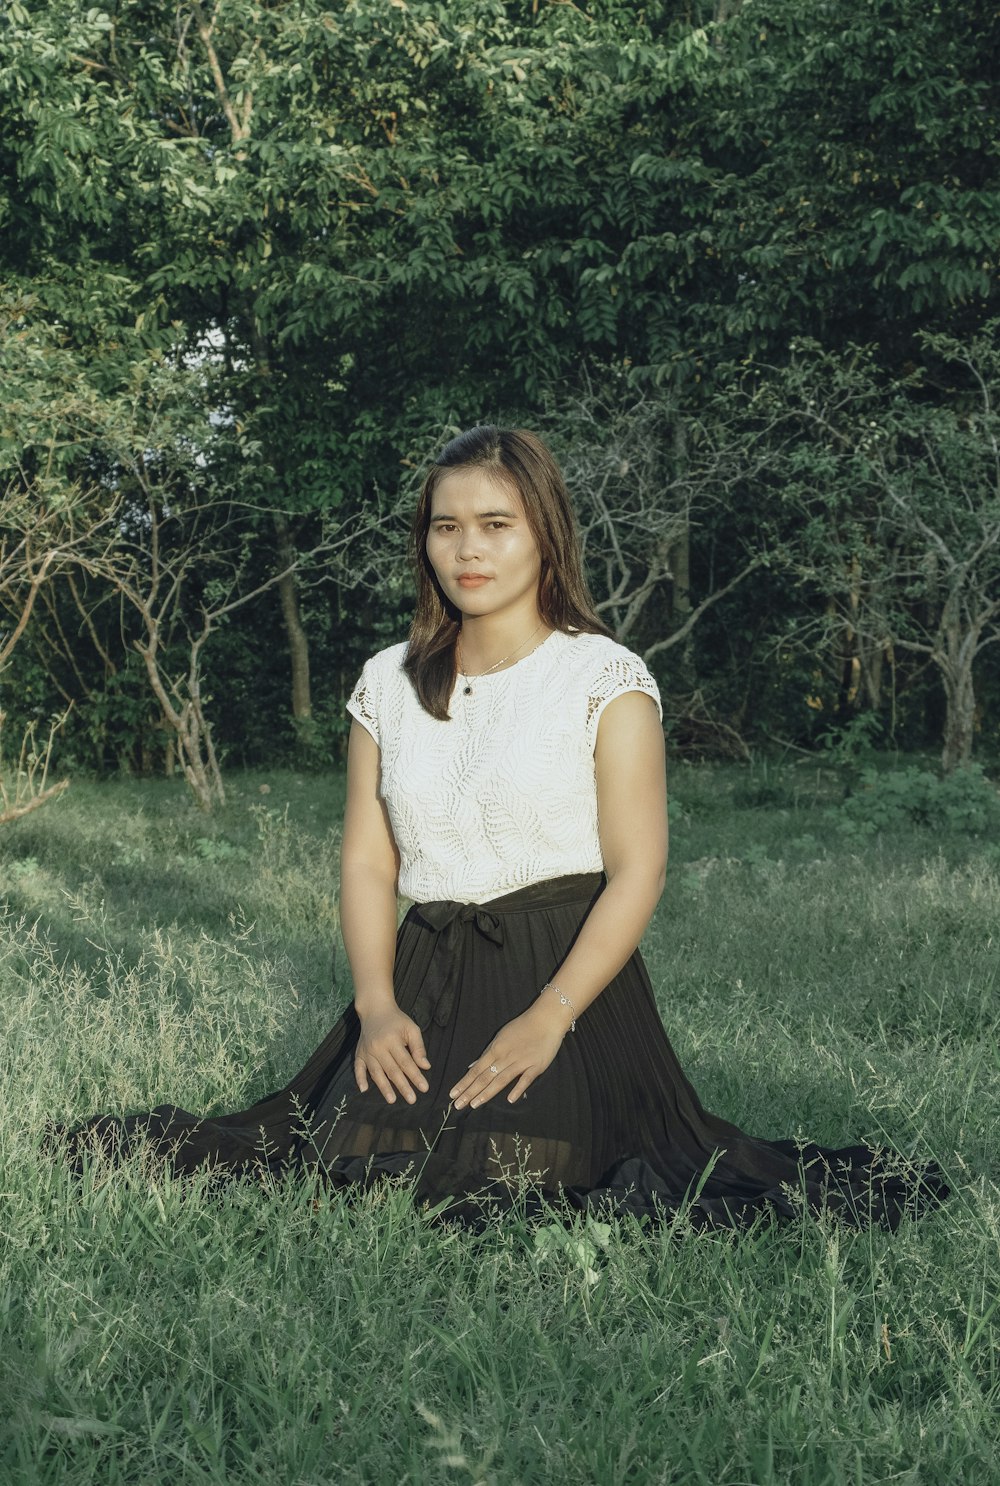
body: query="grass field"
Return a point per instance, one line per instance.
(156, 1332)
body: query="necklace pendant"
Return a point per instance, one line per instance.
(467, 691)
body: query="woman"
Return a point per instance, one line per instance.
(506, 773)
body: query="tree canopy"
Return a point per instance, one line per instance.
(362, 222)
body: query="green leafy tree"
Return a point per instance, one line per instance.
(897, 488)
(830, 172)
(46, 523)
(377, 218)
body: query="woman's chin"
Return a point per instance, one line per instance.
(474, 603)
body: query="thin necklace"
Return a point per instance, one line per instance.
(467, 688)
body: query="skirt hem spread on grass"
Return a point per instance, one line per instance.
(612, 1126)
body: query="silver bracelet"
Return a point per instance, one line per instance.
(563, 1001)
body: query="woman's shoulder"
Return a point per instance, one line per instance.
(603, 669)
(379, 695)
(387, 663)
(593, 653)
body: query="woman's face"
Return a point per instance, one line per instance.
(481, 547)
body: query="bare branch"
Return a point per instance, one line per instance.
(679, 635)
(30, 789)
(238, 127)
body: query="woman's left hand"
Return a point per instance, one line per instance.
(519, 1052)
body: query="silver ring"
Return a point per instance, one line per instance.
(494, 1068)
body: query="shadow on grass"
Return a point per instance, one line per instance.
(117, 861)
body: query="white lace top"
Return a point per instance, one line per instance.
(504, 793)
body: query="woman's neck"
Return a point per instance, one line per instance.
(491, 641)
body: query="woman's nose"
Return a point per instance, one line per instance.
(468, 546)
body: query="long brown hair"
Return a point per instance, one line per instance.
(517, 458)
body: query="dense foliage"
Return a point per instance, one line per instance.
(262, 255)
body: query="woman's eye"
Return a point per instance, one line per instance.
(498, 525)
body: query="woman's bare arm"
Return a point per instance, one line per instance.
(632, 819)
(369, 869)
(632, 822)
(390, 1049)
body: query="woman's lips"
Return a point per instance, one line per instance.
(473, 580)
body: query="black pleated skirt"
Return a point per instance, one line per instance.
(613, 1125)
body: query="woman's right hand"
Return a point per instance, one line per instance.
(390, 1053)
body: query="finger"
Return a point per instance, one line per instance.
(394, 1072)
(477, 1070)
(415, 1042)
(361, 1075)
(466, 1085)
(489, 1081)
(382, 1084)
(496, 1085)
(523, 1084)
(411, 1071)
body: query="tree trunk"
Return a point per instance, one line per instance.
(960, 716)
(288, 588)
(183, 714)
(298, 641)
(872, 667)
(680, 571)
(680, 552)
(955, 658)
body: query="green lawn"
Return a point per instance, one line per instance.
(839, 986)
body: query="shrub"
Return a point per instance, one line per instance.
(964, 802)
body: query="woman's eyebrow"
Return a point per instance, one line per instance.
(480, 516)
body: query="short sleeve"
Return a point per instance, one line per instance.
(364, 699)
(623, 672)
